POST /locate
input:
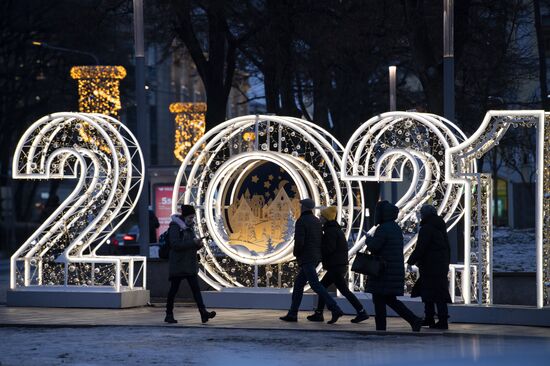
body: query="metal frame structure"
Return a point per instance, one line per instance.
(219, 161)
(392, 144)
(105, 158)
(493, 127)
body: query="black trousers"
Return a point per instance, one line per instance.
(337, 276)
(442, 310)
(380, 302)
(193, 281)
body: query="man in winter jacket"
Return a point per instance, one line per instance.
(307, 250)
(334, 251)
(183, 262)
(432, 256)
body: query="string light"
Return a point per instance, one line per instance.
(389, 145)
(98, 88)
(247, 254)
(108, 164)
(190, 126)
(477, 250)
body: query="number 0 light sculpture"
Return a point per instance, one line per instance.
(221, 161)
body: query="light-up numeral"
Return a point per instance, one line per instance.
(218, 164)
(105, 159)
(389, 145)
(478, 218)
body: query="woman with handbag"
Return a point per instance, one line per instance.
(432, 255)
(183, 263)
(334, 254)
(387, 243)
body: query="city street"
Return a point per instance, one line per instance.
(213, 346)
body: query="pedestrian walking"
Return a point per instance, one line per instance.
(387, 242)
(307, 250)
(334, 250)
(432, 256)
(183, 263)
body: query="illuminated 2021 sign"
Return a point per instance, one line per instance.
(245, 177)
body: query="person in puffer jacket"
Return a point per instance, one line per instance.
(334, 250)
(183, 263)
(387, 242)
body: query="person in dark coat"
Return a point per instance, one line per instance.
(183, 263)
(153, 226)
(432, 255)
(387, 242)
(307, 250)
(334, 250)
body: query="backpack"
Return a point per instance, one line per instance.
(164, 248)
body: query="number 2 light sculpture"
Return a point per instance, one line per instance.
(105, 159)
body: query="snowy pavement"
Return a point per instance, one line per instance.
(186, 346)
(514, 250)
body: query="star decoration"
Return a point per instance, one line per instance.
(267, 184)
(255, 179)
(270, 177)
(294, 189)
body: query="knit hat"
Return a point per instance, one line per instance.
(308, 203)
(187, 210)
(329, 213)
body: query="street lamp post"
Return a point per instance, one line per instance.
(63, 49)
(142, 126)
(448, 60)
(393, 96)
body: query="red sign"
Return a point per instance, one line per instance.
(163, 205)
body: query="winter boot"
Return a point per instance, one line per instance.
(205, 315)
(317, 316)
(361, 315)
(289, 318)
(170, 318)
(442, 323)
(428, 322)
(417, 324)
(336, 314)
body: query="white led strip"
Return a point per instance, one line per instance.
(221, 155)
(106, 159)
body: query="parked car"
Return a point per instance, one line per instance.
(127, 243)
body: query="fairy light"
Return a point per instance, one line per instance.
(546, 215)
(98, 88)
(190, 126)
(388, 145)
(224, 160)
(491, 130)
(104, 157)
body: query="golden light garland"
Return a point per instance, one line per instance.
(190, 126)
(98, 88)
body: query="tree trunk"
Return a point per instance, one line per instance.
(542, 57)
(429, 67)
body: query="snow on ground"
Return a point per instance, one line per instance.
(185, 346)
(514, 250)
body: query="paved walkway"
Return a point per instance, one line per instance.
(188, 317)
